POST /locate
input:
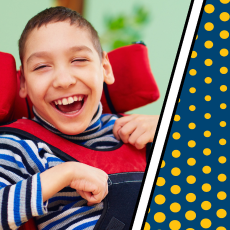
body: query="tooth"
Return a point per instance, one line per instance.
(55, 102)
(59, 102)
(80, 98)
(64, 101)
(75, 98)
(70, 100)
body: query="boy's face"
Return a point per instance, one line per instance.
(61, 65)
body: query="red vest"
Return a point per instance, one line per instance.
(124, 164)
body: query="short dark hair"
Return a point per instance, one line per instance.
(58, 14)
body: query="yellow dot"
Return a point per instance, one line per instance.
(222, 177)
(160, 181)
(194, 54)
(223, 70)
(209, 8)
(207, 151)
(222, 123)
(175, 207)
(191, 179)
(176, 135)
(149, 210)
(207, 98)
(191, 144)
(196, 36)
(175, 153)
(206, 205)
(224, 34)
(223, 106)
(190, 215)
(206, 187)
(192, 72)
(175, 189)
(190, 229)
(209, 26)
(224, 1)
(191, 161)
(208, 44)
(206, 169)
(207, 116)
(221, 195)
(221, 213)
(160, 199)
(207, 133)
(208, 80)
(222, 141)
(174, 225)
(147, 226)
(190, 197)
(192, 125)
(179, 100)
(221, 228)
(223, 88)
(224, 16)
(192, 90)
(224, 52)
(222, 159)
(175, 171)
(163, 164)
(177, 117)
(208, 62)
(192, 107)
(159, 217)
(205, 223)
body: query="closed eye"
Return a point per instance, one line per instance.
(40, 67)
(80, 60)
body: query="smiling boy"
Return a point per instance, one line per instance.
(61, 63)
(63, 70)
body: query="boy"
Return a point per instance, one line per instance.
(63, 70)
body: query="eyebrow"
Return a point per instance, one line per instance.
(80, 48)
(46, 54)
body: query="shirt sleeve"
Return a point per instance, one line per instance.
(20, 185)
(21, 201)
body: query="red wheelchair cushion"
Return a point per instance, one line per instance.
(134, 84)
(8, 88)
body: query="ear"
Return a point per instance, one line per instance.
(23, 88)
(107, 69)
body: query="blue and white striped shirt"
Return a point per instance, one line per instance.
(22, 161)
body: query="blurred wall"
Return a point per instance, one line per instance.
(162, 35)
(14, 15)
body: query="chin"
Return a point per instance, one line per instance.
(70, 130)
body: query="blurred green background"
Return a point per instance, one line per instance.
(158, 23)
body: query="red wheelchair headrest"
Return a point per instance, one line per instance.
(134, 84)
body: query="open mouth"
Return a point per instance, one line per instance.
(70, 105)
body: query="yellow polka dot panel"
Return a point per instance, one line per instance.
(192, 190)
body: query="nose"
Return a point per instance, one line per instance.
(64, 79)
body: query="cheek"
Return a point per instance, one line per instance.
(92, 78)
(36, 90)
(98, 77)
(97, 86)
